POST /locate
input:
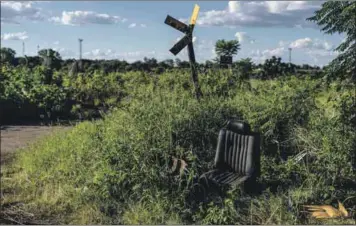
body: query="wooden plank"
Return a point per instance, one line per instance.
(176, 24)
(195, 13)
(180, 45)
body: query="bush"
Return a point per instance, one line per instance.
(112, 171)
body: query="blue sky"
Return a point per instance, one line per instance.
(131, 30)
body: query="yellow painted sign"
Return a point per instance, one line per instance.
(194, 17)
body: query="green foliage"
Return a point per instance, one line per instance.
(7, 55)
(50, 58)
(35, 87)
(340, 17)
(227, 48)
(111, 171)
(273, 68)
(57, 94)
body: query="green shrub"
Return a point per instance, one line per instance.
(112, 171)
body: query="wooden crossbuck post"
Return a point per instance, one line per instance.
(187, 40)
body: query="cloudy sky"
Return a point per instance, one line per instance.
(133, 30)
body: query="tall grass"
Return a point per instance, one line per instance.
(111, 171)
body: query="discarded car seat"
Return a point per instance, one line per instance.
(237, 159)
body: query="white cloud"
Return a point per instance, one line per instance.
(99, 53)
(319, 51)
(56, 43)
(136, 54)
(321, 57)
(242, 37)
(268, 52)
(262, 14)
(322, 53)
(14, 36)
(66, 53)
(132, 25)
(282, 43)
(204, 50)
(285, 6)
(301, 43)
(13, 11)
(234, 6)
(128, 56)
(319, 44)
(308, 43)
(260, 56)
(86, 17)
(205, 45)
(273, 52)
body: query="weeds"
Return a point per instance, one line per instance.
(111, 171)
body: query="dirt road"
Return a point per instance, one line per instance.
(14, 137)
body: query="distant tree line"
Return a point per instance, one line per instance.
(271, 68)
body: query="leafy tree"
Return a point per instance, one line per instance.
(169, 63)
(28, 61)
(244, 70)
(272, 67)
(244, 66)
(137, 65)
(22, 61)
(7, 55)
(182, 63)
(177, 62)
(51, 58)
(227, 48)
(209, 64)
(33, 61)
(151, 62)
(166, 64)
(340, 17)
(74, 69)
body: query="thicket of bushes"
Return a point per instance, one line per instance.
(62, 93)
(110, 171)
(31, 94)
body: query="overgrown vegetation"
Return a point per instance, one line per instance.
(110, 171)
(51, 91)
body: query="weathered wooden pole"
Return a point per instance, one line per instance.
(187, 40)
(193, 68)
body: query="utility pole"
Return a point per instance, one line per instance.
(38, 49)
(23, 48)
(80, 48)
(80, 64)
(48, 58)
(290, 60)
